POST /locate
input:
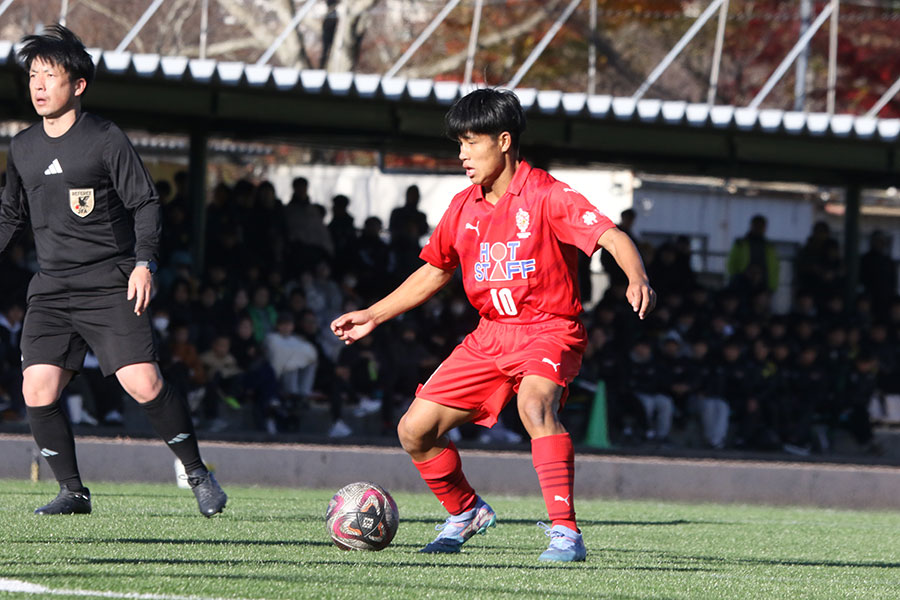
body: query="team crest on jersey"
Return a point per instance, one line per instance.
(81, 201)
(523, 220)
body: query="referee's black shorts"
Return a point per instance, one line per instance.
(66, 315)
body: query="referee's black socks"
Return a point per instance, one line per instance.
(53, 434)
(170, 417)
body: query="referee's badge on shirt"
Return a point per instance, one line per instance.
(81, 201)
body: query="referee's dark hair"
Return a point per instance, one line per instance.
(488, 111)
(58, 46)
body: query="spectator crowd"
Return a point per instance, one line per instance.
(247, 340)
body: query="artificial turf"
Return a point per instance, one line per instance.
(149, 541)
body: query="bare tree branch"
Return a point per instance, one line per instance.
(117, 18)
(289, 52)
(344, 50)
(455, 61)
(170, 30)
(233, 45)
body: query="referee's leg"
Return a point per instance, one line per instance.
(169, 415)
(42, 385)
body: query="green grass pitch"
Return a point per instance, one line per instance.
(149, 542)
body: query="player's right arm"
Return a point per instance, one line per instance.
(12, 210)
(424, 283)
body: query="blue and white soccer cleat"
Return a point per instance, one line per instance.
(565, 545)
(457, 529)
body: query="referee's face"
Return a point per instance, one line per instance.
(53, 93)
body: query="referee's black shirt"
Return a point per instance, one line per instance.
(87, 194)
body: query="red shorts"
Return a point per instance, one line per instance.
(484, 372)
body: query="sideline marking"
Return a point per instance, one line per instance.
(24, 587)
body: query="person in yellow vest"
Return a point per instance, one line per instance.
(754, 250)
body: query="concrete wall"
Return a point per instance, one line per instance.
(331, 467)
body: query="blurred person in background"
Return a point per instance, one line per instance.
(407, 220)
(344, 235)
(878, 273)
(755, 253)
(294, 361)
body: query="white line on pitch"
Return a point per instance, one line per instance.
(24, 587)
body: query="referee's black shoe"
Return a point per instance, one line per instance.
(210, 497)
(68, 502)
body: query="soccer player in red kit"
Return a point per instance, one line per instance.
(514, 234)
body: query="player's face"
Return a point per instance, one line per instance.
(53, 93)
(483, 156)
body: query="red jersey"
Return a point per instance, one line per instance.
(519, 257)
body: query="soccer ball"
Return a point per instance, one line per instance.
(362, 516)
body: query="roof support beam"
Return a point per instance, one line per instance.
(204, 27)
(139, 25)
(677, 48)
(882, 102)
(852, 194)
(717, 55)
(832, 56)
(803, 60)
(592, 51)
(198, 155)
(539, 49)
(4, 6)
(298, 16)
(791, 57)
(473, 43)
(426, 33)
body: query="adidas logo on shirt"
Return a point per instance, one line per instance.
(54, 168)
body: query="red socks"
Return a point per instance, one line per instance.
(444, 476)
(554, 460)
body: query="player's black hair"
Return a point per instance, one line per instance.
(488, 111)
(58, 46)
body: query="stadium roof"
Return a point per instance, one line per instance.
(176, 94)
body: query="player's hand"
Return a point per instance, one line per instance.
(353, 326)
(140, 286)
(641, 297)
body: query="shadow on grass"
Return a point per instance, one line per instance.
(774, 562)
(584, 566)
(179, 541)
(367, 586)
(581, 522)
(715, 562)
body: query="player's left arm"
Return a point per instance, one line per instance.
(576, 221)
(135, 187)
(639, 293)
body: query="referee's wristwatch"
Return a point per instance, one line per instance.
(149, 264)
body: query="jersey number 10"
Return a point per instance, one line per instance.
(503, 302)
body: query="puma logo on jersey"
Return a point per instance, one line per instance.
(570, 190)
(474, 227)
(561, 499)
(552, 364)
(53, 168)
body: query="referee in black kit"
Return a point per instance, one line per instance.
(96, 221)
